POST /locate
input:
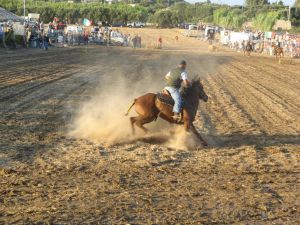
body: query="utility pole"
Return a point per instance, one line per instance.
(24, 13)
(24, 10)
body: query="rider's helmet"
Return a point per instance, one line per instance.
(182, 62)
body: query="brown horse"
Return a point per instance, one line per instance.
(149, 107)
(278, 51)
(248, 48)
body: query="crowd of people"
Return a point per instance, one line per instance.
(102, 35)
(40, 35)
(36, 37)
(261, 42)
(265, 42)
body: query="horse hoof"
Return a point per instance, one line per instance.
(205, 144)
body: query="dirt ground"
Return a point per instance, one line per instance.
(67, 154)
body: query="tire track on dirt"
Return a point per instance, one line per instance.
(237, 80)
(274, 113)
(26, 57)
(271, 71)
(18, 71)
(34, 76)
(33, 88)
(266, 77)
(261, 87)
(28, 102)
(229, 89)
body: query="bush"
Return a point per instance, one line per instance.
(265, 21)
(229, 18)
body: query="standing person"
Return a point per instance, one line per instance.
(139, 41)
(40, 41)
(86, 38)
(159, 42)
(174, 79)
(176, 38)
(128, 39)
(1, 34)
(125, 40)
(42, 27)
(134, 41)
(46, 42)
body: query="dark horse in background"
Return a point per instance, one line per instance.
(150, 106)
(248, 48)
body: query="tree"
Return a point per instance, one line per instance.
(265, 21)
(230, 18)
(163, 18)
(253, 3)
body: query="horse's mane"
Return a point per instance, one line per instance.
(188, 90)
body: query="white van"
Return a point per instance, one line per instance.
(117, 38)
(33, 17)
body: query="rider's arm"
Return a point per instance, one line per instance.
(167, 76)
(185, 79)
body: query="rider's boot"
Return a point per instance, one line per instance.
(177, 117)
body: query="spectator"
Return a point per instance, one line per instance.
(1, 33)
(128, 39)
(176, 38)
(134, 41)
(139, 41)
(42, 27)
(46, 42)
(159, 42)
(86, 38)
(40, 41)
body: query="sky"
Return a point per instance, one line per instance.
(239, 2)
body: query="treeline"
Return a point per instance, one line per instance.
(74, 12)
(262, 17)
(183, 12)
(165, 13)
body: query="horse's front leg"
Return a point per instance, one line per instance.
(194, 130)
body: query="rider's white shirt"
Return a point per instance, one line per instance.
(183, 75)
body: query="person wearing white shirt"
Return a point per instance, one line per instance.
(174, 79)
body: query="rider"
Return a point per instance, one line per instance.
(174, 79)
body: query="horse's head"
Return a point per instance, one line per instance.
(198, 88)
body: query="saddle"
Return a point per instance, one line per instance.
(165, 98)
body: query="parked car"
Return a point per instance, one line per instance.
(136, 24)
(118, 24)
(116, 38)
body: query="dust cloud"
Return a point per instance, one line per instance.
(102, 118)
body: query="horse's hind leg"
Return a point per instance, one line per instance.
(132, 121)
(140, 121)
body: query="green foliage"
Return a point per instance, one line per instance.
(229, 18)
(164, 18)
(265, 21)
(76, 11)
(183, 12)
(166, 13)
(255, 3)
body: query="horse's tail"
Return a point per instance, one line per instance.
(126, 114)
